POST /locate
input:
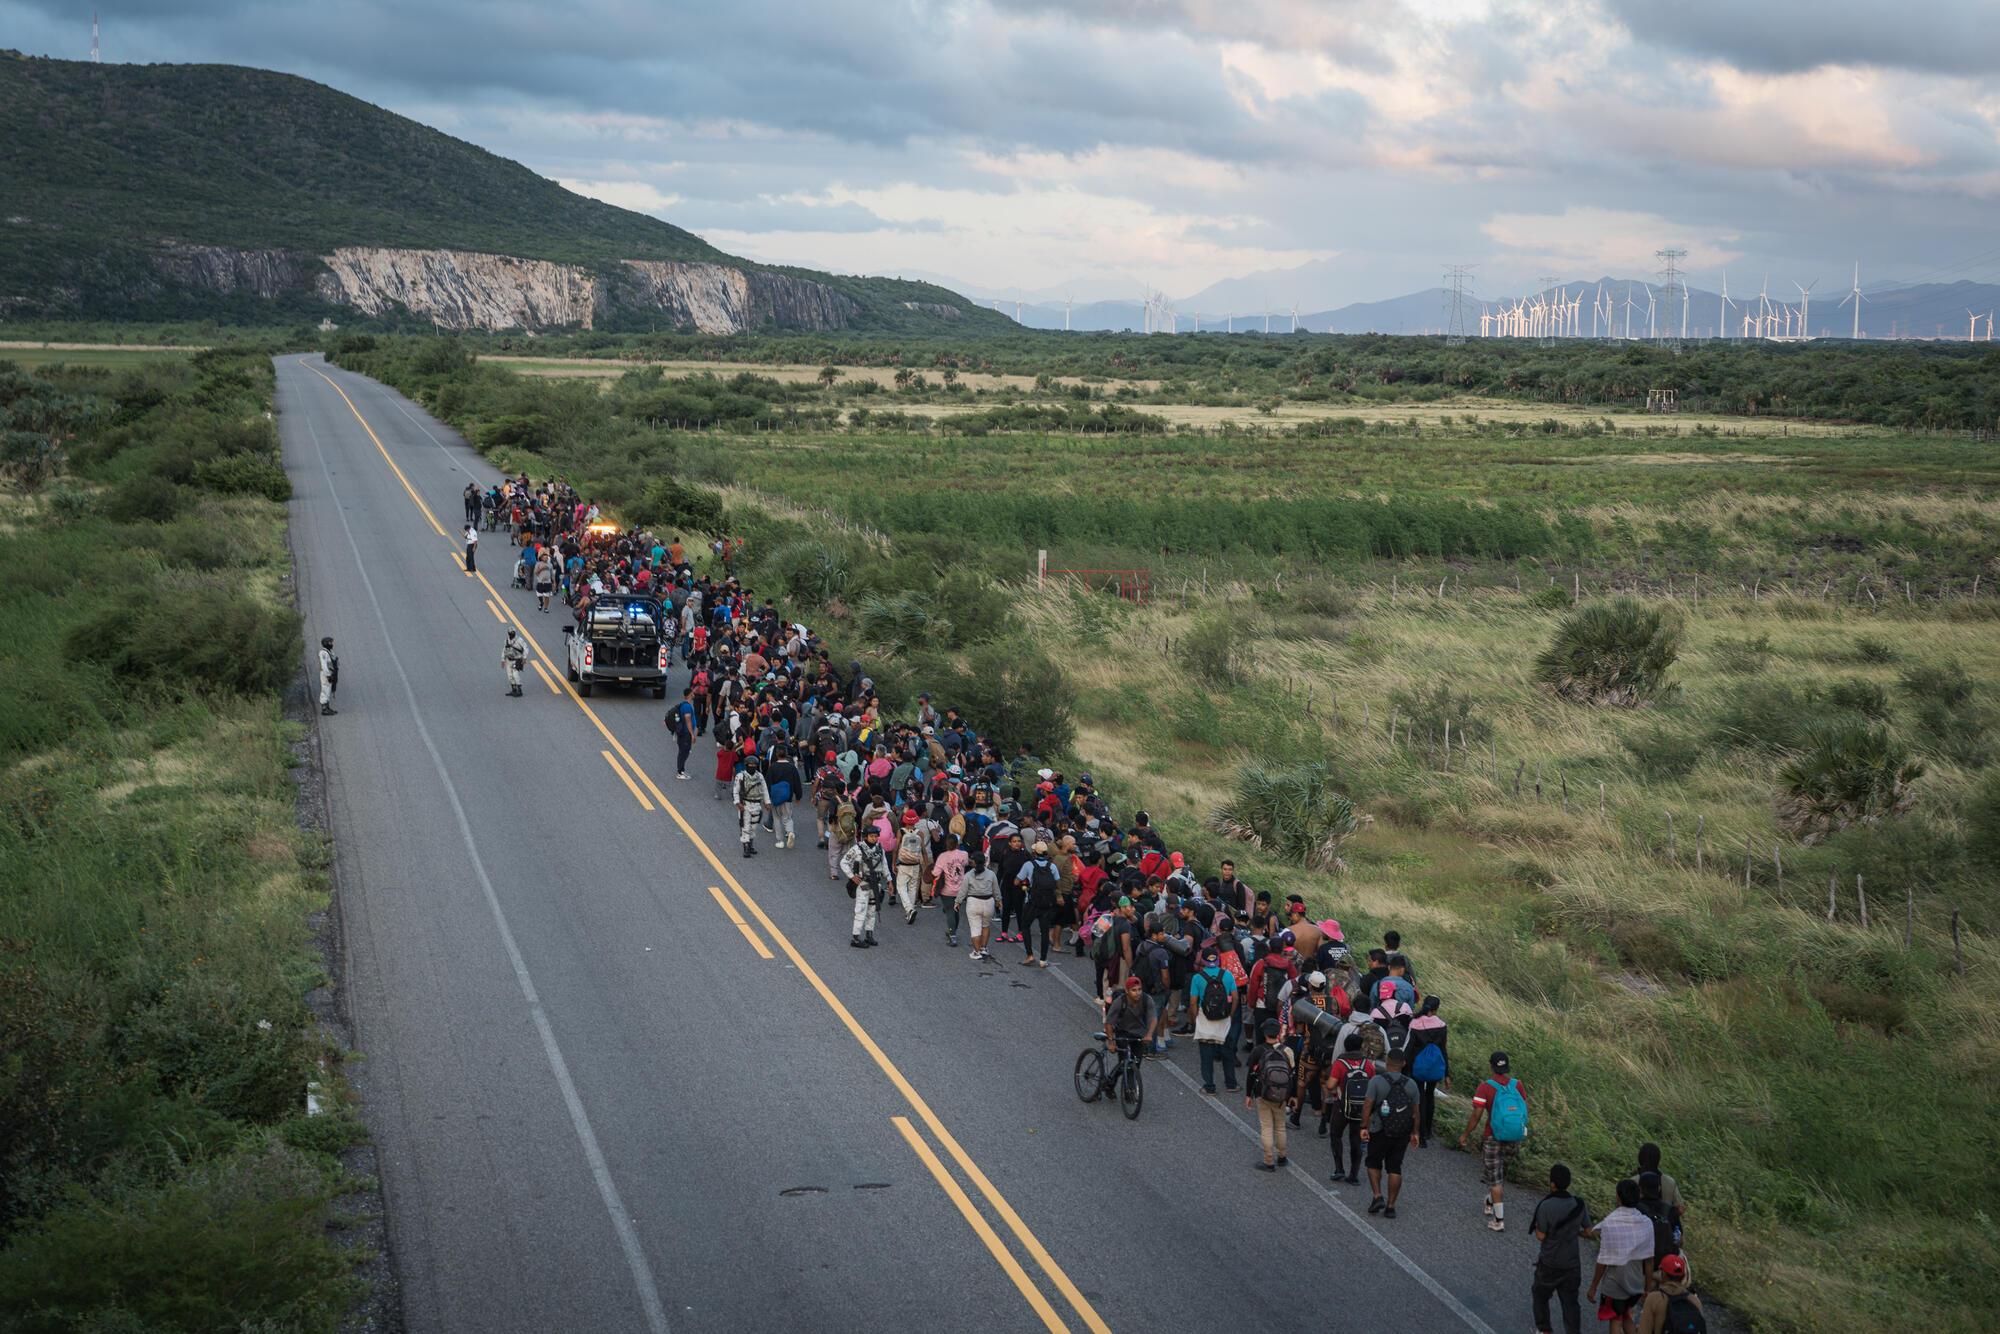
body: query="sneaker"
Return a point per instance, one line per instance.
(1486, 1206)
(1041, 963)
(682, 777)
(1389, 1212)
(1375, 1206)
(1265, 1167)
(952, 940)
(1232, 1087)
(1209, 1089)
(910, 917)
(1282, 1160)
(1496, 1225)
(976, 954)
(1185, 1031)
(1354, 1177)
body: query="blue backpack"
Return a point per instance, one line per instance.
(1429, 1065)
(1509, 1114)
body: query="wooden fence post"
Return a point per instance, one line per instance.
(1447, 745)
(1600, 798)
(1519, 769)
(1493, 752)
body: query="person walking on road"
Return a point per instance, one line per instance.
(1624, 1268)
(471, 536)
(1041, 880)
(1347, 1082)
(1212, 992)
(867, 869)
(1430, 1066)
(1500, 1116)
(1389, 1129)
(1560, 1222)
(471, 499)
(681, 719)
(1272, 1088)
(329, 676)
(913, 855)
(948, 881)
(752, 794)
(978, 897)
(1671, 1308)
(513, 657)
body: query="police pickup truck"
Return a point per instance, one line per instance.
(622, 641)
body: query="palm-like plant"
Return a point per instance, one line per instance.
(1848, 773)
(1292, 811)
(1614, 652)
(900, 620)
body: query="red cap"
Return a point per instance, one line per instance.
(909, 815)
(1134, 984)
(1177, 860)
(1674, 1266)
(831, 757)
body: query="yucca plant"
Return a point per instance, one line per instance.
(1614, 652)
(900, 620)
(1293, 811)
(1847, 774)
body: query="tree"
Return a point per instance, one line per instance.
(903, 377)
(827, 375)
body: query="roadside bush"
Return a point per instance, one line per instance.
(199, 634)
(1429, 710)
(1664, 755)
(1848, 774)
(1871, 649)
(900, 621)
(1614, 653)
(228, 1244)
(1553, 598)
(69, 504)
(529, 431)
(1943, 700)
(1765, 715)
(1210, 651)
(667, 503)
(144, 499)
(1015, 693)
(244, 474)
(1293, 812)
(1743, 657)
(814, 573)
(1329, 600)
(976, 608)
(1865, 698)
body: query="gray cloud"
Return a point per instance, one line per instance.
(1785, 36)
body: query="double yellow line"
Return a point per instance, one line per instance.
(632, 769)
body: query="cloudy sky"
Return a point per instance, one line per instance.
(1092, 145)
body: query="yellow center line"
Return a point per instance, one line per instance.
(1028, 1240)
(980, 1226)
(625, 778)
(730, 910)
(426, 509)
(494, 608)
(547, 680)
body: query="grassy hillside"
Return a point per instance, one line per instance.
(103, 162)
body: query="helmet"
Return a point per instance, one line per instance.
(750, 762)
(326, 641)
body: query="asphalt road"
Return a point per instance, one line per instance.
(620, 1078)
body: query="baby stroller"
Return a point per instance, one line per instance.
(520, 572)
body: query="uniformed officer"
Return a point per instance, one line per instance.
(752, 793)
(329, 676)
(866, 866)
(513, 657)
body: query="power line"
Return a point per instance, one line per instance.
(1457, 304)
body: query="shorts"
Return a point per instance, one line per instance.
(978, 915)
(1621, 1306)
(1494, 1155)
(1386, 1155)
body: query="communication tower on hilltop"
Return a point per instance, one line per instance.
(93, 37)
(1457, 304)
(1673, 286)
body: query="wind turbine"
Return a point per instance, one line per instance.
(1652, 327)
(1267, 317)
(1764, 309)
(1972, 328)
(1854, 295)
(1295, 317)
(1805, 308)
(1067, 301)
(1630, 305)
(1722, 311)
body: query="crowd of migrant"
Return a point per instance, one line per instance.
(928, 815)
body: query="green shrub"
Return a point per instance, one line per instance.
(1614, 652)
(1293, 812)
(69, 504)
(1943, 700)
(244, 474)
(1765, 715)
(1982, 823)
(1744, 657)
(1847, 774)
(1856, 696)
(1329, 600)
(813, 573)
(1429, 710)
(225, 1244)
(667, 503)
(1663, 754)
(193, 634)
(1553, 598)
(900, 621)
(1014, 692)
(1210, 651)
(143, 499)
(1871, 649)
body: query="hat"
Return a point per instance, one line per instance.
(1040, 847)
(1316, 979)
(923, 696)
(1124, 902)
(1286, 938)
(909, 815)
(1674, 1267)
(1499, 1062)
(929, 730)
(1045, 773)
(1177, 860)
(1332, 930)
(1134, 984)
(831, 757)
(1084, 779)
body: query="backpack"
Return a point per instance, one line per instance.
(1277, 1073)
(1664, 1241)
(1684, 1317)
(1214, 996)
(1374, 1042)
(1354, 1093)
(781, 792)
(1274, 982)
(1149, 964)
(1398, 1110)
(1044, 879)
(1508, 1115)
(1429, 1065)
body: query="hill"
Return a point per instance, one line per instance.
(169, 191)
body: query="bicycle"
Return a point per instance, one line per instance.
(1094, 1080)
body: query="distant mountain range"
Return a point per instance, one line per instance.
(217, 191)
(1929, 310)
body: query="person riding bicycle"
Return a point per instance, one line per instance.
(1128, 1019)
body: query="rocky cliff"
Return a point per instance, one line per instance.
(460, 289)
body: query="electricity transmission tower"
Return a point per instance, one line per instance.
(1457, 304)
(1673, 285)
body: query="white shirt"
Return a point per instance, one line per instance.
(471, 536)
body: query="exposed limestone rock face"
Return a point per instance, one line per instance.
(266, 273)
(936, 308)
(716, 299)
(459, 289)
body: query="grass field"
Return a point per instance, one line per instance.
(607, 368)
(88, 354)
(1609, 893)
